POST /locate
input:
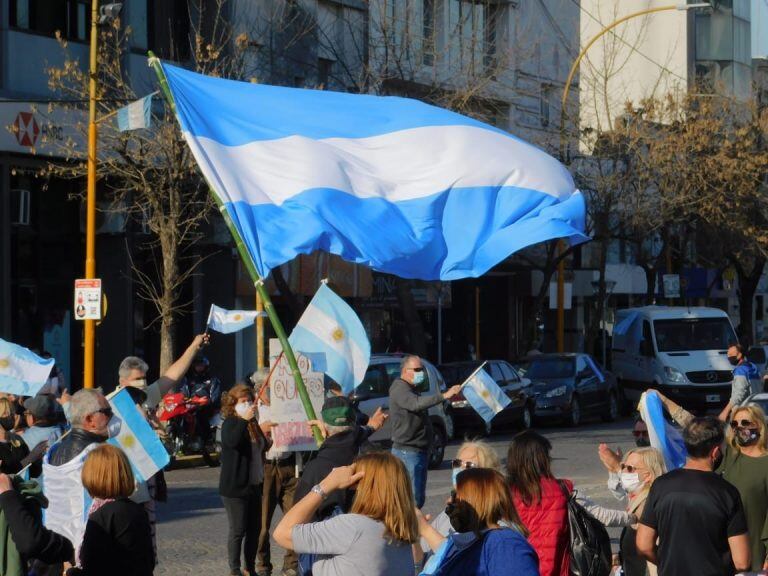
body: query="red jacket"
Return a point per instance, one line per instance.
(547, 524)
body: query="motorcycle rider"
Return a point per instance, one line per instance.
(200, 383)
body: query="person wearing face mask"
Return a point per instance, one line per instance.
(746, 379)
(629, 480)
(411, 426)
(243, 447)
(693, 521)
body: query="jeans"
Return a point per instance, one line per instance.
(416, 464)
(244, 516)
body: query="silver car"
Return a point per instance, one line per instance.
(373, 392)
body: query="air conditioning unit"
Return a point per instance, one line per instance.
(21, 203)
(111, 218)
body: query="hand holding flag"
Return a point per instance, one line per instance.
(484, 395)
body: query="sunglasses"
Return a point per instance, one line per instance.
(629, 468)
(742, 423)
(419, 369)
(106, 411)
(462, 464)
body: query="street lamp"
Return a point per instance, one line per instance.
(98, 17)
(564, 101)
(609, 286)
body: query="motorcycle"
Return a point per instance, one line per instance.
(180, 415)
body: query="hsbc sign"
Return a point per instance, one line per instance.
(27, 131)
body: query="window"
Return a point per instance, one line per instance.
(495, 372)
(693, 334)
(428, 31)
(375, 383)
(546, 90)
(324, 71)
(70, 17)
(508, 373)
(550, 368)
(491, 20)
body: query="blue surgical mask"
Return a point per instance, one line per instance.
(455, 474)
(418, 378)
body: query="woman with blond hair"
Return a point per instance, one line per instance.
(482, 512)
(13, 449)
(630, 479)
(243, 445)
(117, 539)
(374, 538)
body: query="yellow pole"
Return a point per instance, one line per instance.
(90, 212)
(563, 104)
(259, 333)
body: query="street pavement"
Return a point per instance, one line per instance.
(192, 525)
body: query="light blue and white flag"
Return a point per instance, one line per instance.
(136, 438)
(229, 321)
(330, 327)
(484, 395)
(22, 372)
(393, 183)
(662, 434)
(136, 114)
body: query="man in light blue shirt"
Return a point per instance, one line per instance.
(41, 415)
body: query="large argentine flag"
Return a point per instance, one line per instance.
(662, 434)
(392, 183)
(485, 396)
(331, 328)
(133, 434)
(22, 372)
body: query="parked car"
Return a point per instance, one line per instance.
(520, 390)
(570, 387)
(373, 392)
(758, 354)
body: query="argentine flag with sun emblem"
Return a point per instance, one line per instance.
(485, 396)
(22, 372)
(330, 327)
(229, 321)
(132, 433)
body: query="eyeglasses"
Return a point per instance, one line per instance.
(462, 464)
(629, 468)
(106, 411)
(742, 423)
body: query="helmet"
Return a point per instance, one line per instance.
(201, 359)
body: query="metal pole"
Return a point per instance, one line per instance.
(89, 336)
(440, 324)
(605, 344)
(477, 322)
(563, 105)
(254, 274)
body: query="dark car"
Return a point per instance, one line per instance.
(570, 387)
(518, 413)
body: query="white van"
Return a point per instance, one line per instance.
(680, 351)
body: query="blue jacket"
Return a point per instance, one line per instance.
(741, 389)
(501, 551)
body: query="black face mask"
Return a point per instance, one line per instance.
(7, 422)
(734, 360)
(747, 436)
(642, 441)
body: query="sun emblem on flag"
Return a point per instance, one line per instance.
(485, 394)
(237, 317)
(4, 363)
(338, 334)
(128, 441)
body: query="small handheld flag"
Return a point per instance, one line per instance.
(22, 372)
(484, 395)
(229, 321)
(136, 114)
(329, 326)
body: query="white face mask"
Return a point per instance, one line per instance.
(631, 482)
(242, 407)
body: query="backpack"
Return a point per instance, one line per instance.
(591, 553)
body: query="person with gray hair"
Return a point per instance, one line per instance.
(89, 413)
(133, 372)
(411, 426)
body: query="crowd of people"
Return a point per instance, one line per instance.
(355, 507)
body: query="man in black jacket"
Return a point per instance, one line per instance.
(22, 515)
(340, 448)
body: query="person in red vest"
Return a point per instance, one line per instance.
(540, 501)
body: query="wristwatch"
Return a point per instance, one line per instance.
(319, 491)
